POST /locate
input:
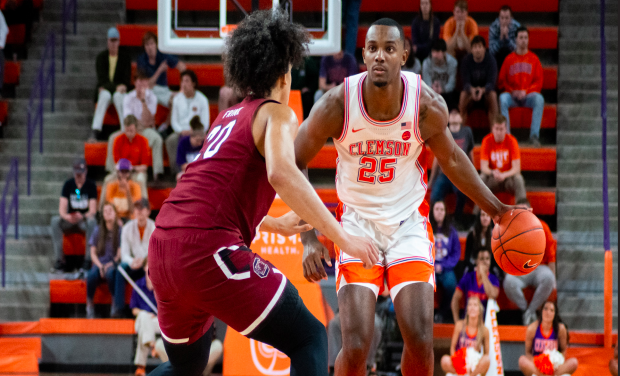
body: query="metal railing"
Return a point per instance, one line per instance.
(69, 9)
(46, 78)
(5, 218)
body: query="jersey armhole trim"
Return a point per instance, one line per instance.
(345, 125)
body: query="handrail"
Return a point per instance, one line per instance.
(69, 9)
(45, 78)
(5, 217)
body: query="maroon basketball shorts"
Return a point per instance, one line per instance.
(197, 275)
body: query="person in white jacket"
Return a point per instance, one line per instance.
(4, 32)
(187, 104)
(134, 249)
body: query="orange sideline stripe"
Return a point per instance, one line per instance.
(87, 326)
(19, 328)
(21, 345)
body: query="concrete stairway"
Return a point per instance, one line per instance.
(29, 259)
(579, 170)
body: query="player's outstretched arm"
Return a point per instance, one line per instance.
(294, 188)
(286, 225)
(325, 121)
(452, 160)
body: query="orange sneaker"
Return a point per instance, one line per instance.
(140, 371)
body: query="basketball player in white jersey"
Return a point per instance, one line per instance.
(380, 121)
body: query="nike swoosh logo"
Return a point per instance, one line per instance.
(528, 266)
(357, 130)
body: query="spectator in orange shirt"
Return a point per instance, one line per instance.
(134, 147)
(542, 278)
(500, 161)
(521, 79)
(122, 192)
(459, 30)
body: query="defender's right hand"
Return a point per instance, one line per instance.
(314, 251)
(363, 248)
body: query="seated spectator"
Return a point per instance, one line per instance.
(547, 333)
(105, 253)
(503, 35)
(334, 69)
(462, 339)
(4, 32)
(413, 63)
(424, 30)
(500, 161)
(439, 184)
(542, 278)
(113, 68)
(480, 238)
(20, 12)
(447, 254)
(146, 326)
(76, 211)
(155, 65)
(189, 146)
(134, 147)
(459, 30)
(480, 282)
(521, 79)
(134, 247)
(122, 192)
(188, 104)
(306, 80)
(479, 74)
(141, 103)
(439, 72)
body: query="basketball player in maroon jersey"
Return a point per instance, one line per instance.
(382, 93)
(199, 261)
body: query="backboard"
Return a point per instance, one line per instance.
(198, 27)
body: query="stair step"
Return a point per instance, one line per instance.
(582, 96)
(578, 123)
(39, 264)
(586, 138)
(35, 217)
(586, 71)
(27, 279)
(585, 194)
(89, 53)
(585, 304)
(78, 92)
(61, 104)
(586, 209)
(586, 7)
(87, 14)
(585, 110)
(593, 322)
(29, 247)
(583, 223)
(586, 44)
(19, 145)
(587, 19)
(586, 152)
(52, 133)
(23, 312)
(25, 295)
(585, 166)
(572, 83)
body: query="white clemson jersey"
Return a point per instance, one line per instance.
(380, 171)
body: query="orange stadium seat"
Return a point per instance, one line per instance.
(74, 244)
(520, 117)
(95, 154)
(17, 34)
(209, 74)
(12, 70)
(74, 292)
(87, 326)
(367, 6)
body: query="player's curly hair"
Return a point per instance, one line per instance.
(260, 50)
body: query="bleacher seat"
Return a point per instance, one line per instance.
(367, 6)
(17, 35)
(74, 292)
(520, 117)
(74, 244)
(12, 70)
(4, 110)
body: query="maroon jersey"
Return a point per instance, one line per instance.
(226, 187)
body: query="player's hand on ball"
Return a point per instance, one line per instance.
(363, 248)
(507, 209)
(314, 251)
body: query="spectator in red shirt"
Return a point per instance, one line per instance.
(542, 278)
(500, 161)
(521, 79)
(134, 147)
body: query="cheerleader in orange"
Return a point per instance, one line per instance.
(469, 350)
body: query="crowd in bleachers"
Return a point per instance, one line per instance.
(452, 58)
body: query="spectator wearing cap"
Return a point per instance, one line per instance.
(521, 79)
(479, 73)
(122, 192)
(459, 30)
(188, 104)
(424, 30)
(142, 104)
(503, 35)
(113, 68)
(77, 209)
(334, 69)
(542, 279)
(134, 247)
(155, 65)
(190, 146)
(134, 147)
(439, 72)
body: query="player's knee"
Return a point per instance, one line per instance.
(524, 363)
(355, 348)
(446, 363)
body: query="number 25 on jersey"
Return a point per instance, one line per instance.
(372, 170)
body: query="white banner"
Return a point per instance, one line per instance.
(496, 368)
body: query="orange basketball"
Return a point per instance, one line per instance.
(518, 242)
